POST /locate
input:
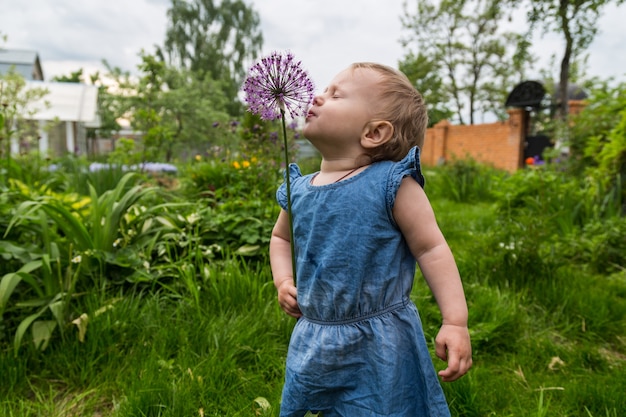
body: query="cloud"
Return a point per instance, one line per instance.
(327, 35)
(66, 31)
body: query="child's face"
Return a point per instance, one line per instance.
(339, 115)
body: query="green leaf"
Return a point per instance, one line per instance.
(248, 250)
(30, 267)
(8, 250)
(35, 302)
(167, 222)
(42, 332)
(71, 226)
(10, 281)
(7, 286)
(57, 308)
(21, 329)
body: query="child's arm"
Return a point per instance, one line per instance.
(416, 219)
(280, 261)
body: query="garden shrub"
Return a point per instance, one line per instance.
(463, 181)
(598, 245)
(598, 139)
(250, 178)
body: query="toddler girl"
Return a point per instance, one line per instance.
(360, 225)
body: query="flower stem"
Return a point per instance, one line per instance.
(289, 210)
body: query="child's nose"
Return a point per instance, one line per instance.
(318, 100)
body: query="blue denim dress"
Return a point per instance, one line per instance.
(359, 348)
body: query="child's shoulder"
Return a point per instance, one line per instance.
(409, 165)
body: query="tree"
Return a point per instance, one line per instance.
(110, 107)
(74, 77)
(461, 40)
(424, 74)
(598, 139)
(213, 39)
(577, 21)
(171, 107)
(18, 101)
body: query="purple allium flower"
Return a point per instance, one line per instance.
(275, 83)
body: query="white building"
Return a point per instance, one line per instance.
(70, 107)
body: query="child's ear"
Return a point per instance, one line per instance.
(376, 133)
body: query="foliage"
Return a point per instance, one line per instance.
(463, 181)
(125, 153)
(462, 41)
(77, 253)
(558, 221)
(251, 178)
(73, 77)
(261, 138)
(598, 140)
(213, 40)
(17, 102)
(162, 354)
(174, 110)
(188, 323)
(599, 245)
(424, 74)
(245, 167)
(563, 202)
(191, 232)
(610, 153)
(576, 21)
(29, 169)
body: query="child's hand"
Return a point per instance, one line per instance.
(452, 344)
(287, 298)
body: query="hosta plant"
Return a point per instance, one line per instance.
(77, 252)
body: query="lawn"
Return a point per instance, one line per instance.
(171, 311)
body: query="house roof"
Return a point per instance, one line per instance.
(73, 102)
(26, 63)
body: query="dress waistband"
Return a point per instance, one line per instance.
(364, 317)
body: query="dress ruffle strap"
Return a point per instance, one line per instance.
(281, 193)
(407, 166)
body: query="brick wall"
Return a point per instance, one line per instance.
(499, 144)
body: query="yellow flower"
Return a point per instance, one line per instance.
(236, 165)
(246, 164)
(198, 158)
(253, 160)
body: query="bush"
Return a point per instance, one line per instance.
(463, 181)
(598, 245)
(220, 180)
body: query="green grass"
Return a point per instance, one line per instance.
(156, 355)
(549, 337)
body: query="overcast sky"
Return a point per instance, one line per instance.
(326, 35)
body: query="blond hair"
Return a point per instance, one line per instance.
(402, 105)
